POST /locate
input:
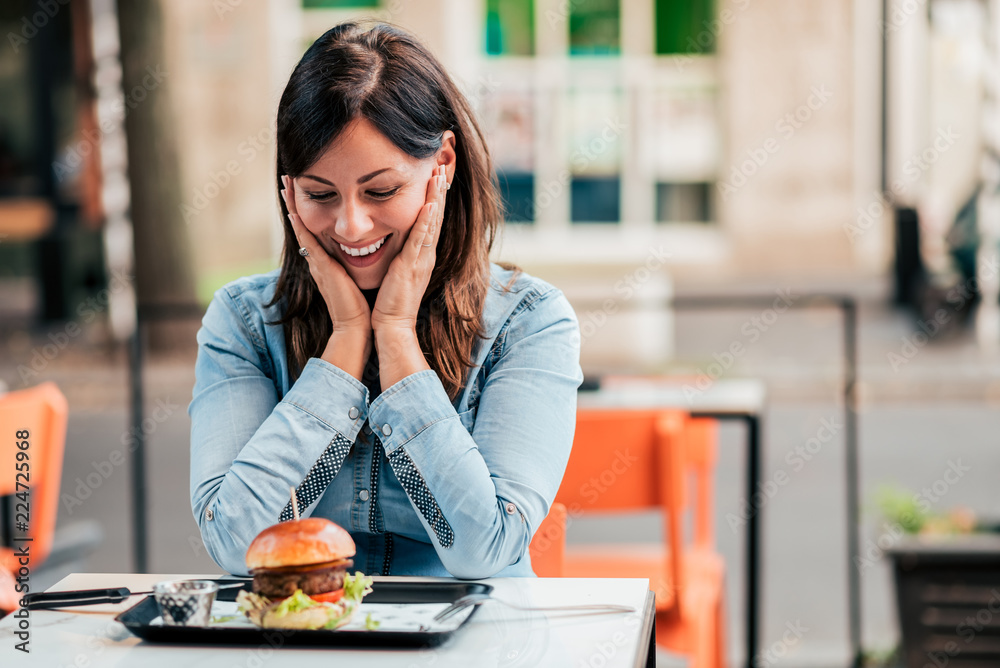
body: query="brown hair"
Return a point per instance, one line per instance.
(386, 76)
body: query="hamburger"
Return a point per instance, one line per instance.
(300, 576)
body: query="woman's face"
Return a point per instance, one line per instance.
(363, 195)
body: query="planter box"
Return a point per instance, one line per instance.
(948, 592)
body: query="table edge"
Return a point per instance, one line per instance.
(647, 634)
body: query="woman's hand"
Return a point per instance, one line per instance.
(409, 272)
(350, 343)
(394, 318)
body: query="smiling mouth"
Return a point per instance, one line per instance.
(364, 250)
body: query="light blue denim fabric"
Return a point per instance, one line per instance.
(478, 474)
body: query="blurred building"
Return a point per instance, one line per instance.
(730, 135)
(636, 141)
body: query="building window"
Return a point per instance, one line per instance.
(595, 28)
(686, 26)
(510, 27)
(517, 189)
(595, 199)
(507, 117)
(596, 106)
(683, 202)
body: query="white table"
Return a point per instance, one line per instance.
(495, 636)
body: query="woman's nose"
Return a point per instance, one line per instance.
(353, 222)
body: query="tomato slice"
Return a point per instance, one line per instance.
(329, 597)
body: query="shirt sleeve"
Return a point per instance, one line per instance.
(481, 496)
(247, 447)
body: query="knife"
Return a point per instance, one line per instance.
(65, 599)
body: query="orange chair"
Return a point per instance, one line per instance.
(634, 460)
(548, 545)
(42, 412)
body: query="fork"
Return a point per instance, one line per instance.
(478, 599)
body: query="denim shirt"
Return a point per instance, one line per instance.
(425, 485)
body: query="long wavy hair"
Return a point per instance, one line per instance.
(386, 76)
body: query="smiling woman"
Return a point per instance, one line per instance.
(414, 393)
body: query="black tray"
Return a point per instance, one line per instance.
(138, 619)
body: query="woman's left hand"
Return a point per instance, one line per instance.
(406, 280)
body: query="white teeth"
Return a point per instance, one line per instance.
(361, 252)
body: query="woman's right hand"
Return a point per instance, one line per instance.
(351, 341)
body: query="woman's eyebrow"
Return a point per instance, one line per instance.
(372, 175)
(363, 179)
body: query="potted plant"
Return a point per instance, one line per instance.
(947, 575)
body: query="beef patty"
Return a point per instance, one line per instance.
(279, 583)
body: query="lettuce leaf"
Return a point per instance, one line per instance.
(339, 614)
(356, 586)
(247, 601)
(294, 603)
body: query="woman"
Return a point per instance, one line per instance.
(407, 389)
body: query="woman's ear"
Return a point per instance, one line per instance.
(446, 154)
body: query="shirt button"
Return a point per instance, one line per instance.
(353, 413)
(363, 495)
(366, 429)
(511, 508)
(209, 514)
(386, 430)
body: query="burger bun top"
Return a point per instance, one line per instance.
(313, 540)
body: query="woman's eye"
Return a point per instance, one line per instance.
(320, 197)
(383, 194)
